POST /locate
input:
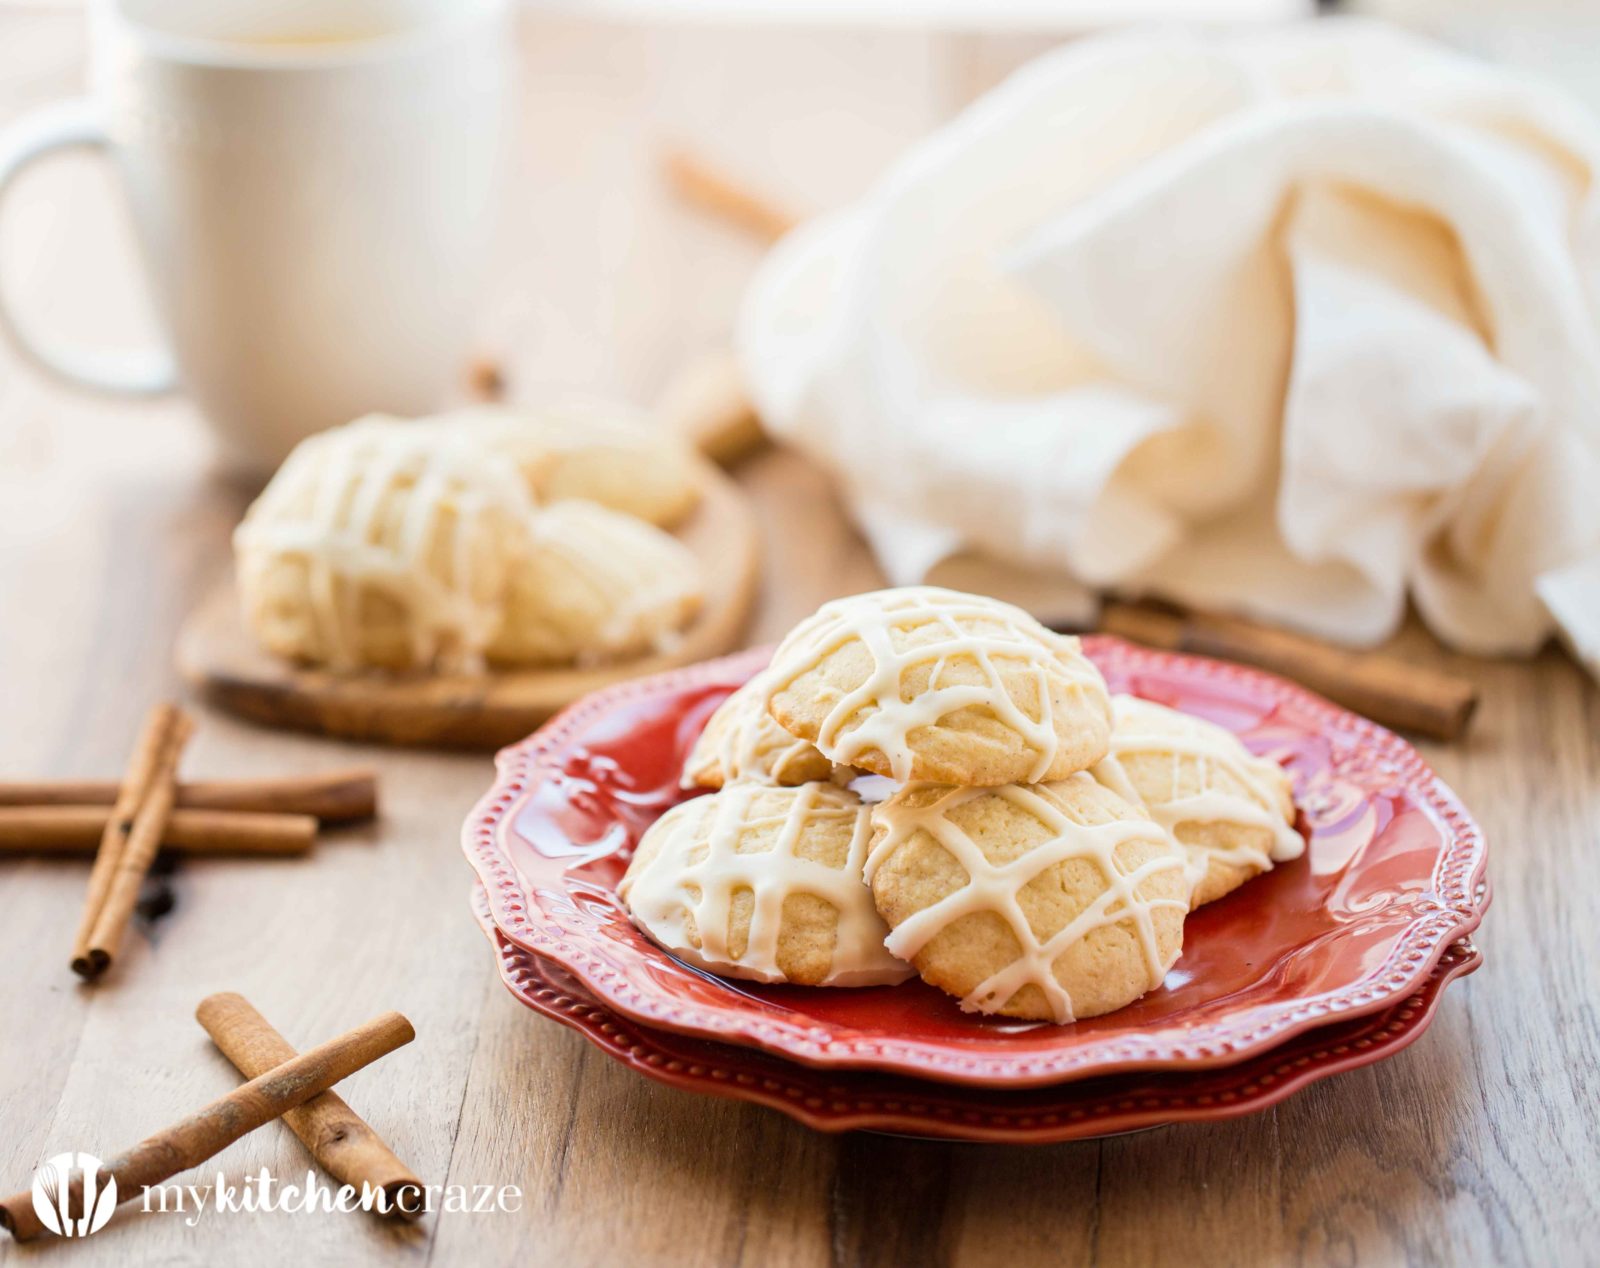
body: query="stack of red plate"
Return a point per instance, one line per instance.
(1330, 962)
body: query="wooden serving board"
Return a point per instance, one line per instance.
(220, 658)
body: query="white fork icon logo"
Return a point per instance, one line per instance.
(52, 1195)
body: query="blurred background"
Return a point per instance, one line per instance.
(601, 282)
(602, 279)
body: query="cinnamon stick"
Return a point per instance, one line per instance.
(72, 829)
(705, 402)
(486, 379)
(138, 852)
(154, 739)
(714, 191)
(1392, 692)
(342, 796)
(212, 1129)
(336, 1136)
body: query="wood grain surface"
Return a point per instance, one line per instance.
(1476, 1146)
(223, 662)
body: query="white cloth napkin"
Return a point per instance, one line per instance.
(1293, 324)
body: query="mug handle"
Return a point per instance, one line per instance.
(73, 125)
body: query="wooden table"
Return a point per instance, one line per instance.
(1478, 1145)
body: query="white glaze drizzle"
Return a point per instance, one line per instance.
(646, 578)
(1212, 748)
(878, 716)
(351, 473)
(660, 894)
(995, 887)
(743, 741)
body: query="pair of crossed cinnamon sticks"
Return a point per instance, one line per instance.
(131, 822)
(282, 1083)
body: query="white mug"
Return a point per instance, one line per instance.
(314, 186)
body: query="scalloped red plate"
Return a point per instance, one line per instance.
(1393, 875)
(849, 1100)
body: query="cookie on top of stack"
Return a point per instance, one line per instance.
(1040, 850)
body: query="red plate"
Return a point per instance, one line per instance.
(848, 1100)
(1394, 875)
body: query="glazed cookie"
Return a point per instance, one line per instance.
(922, 683)
(742, 741)
(1052, 902)
(763, 883)
(592, 450)
(1231, 811)
(595, 585)
(378, 544)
